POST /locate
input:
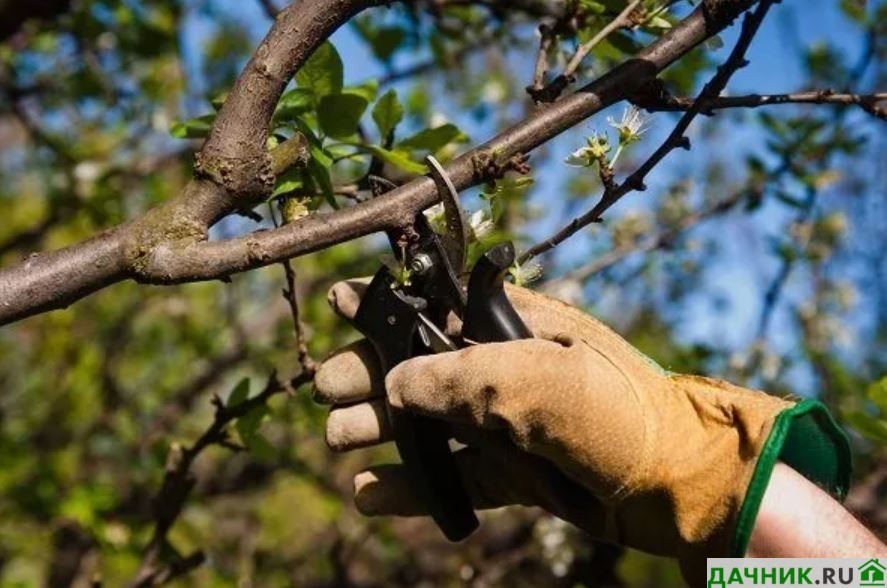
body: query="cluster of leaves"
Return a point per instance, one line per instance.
(330, 114)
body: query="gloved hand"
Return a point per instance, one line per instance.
(580, 423)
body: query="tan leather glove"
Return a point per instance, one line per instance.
(580, 423)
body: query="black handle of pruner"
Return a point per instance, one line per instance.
(389, 322)
(489, 316)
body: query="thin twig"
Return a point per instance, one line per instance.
(736, 60)
(868, 102)
(309, 366)
(548, 34)
(548, 93)
(623, 19)
(660, 239)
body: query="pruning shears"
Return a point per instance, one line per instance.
(405, 316)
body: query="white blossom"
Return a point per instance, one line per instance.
(436, 218)
(526, 273)
(596, 149)
(632, 125)
(481, 224)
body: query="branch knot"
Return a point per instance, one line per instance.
(250, 177)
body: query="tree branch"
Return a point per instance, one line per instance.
(178, 482)
(612, 193)
(233, 168)
(660, 239)
(167, 245)
(868, 102)
(623, 19)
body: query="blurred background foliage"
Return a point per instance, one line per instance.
(757, 257)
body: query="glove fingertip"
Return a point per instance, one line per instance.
(409, 380)
(385, 490)
(344, 297)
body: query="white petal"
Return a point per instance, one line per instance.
(578, 158)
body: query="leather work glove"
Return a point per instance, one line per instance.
(579, 422)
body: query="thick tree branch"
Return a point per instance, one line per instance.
(234, 155)
(167, 245)
(234, 169)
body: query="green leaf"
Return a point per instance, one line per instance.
(218, 100)
(387, 113)
(196, 128)
(239, 393)
(592, 7)
(433, 140)
(315, 147)
(290, 181)
(877, 391)
(385, 41)
(323, 72)
(397, 158)
(248, 424)
(294, 103)
(261, 449)
(321, 176)
(339, 114)
(319, 164)
(874, 429)
(368, 90)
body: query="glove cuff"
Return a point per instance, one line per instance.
(806, 438)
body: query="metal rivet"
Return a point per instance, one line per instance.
(421, 263)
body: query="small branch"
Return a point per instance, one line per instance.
(308, 364)
(178, 483)
(660, 239)
(548, 35)
(868, 102)
(542, 93)
(675, 139)
(623, 19)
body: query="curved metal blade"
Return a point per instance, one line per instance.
(456, 240)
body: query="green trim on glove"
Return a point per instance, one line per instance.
(806, 438)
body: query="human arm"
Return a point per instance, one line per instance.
(798, 519)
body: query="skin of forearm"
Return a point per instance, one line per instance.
(798, 519)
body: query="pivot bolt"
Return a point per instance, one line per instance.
(421, 263)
